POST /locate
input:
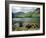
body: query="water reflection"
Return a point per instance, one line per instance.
(22, 19)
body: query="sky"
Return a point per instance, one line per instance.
(22, 9)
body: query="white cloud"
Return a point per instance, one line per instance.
(23, 9)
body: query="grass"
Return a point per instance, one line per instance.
(35, 27)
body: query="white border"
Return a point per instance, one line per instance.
(25, 32)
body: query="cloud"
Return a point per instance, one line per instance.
(22, 9)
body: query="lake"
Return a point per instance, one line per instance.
(22, 19)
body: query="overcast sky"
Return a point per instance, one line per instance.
(22, 9)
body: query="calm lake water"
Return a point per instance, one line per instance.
(22, 19)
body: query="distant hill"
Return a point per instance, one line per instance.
(30, 14)
(16, 14)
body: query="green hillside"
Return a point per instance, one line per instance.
(28, 15)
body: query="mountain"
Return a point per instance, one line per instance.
(30, 14)
(25, 15)
(16, 14)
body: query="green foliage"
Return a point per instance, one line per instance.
(28, 15)
(36, 15)
(20, 28)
